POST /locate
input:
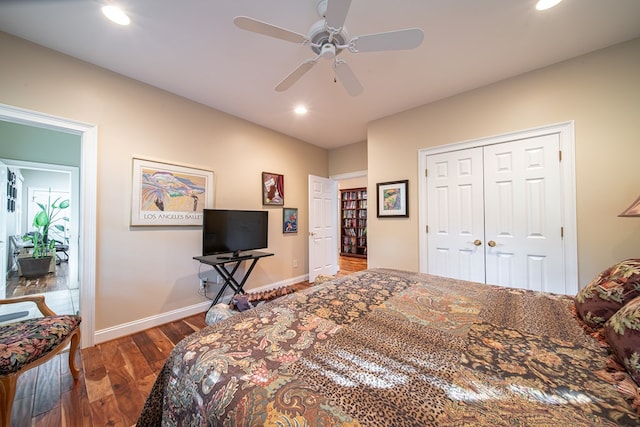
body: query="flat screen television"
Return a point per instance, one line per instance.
(233, 231)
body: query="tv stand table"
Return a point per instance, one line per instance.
(220, 262)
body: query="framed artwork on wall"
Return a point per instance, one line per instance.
(272, 189)
(12, 191)
(392, 199)
(290, 220)
(167, 194)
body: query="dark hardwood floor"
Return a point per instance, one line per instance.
(115, 376)
(19, 286)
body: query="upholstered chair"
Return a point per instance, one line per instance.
(28, 343)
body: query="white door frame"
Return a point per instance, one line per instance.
(565, 130)
(88, 185)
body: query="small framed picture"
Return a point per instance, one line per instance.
(290, 220)
(272, 189)
(392, 199)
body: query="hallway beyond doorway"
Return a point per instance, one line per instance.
(60, 295)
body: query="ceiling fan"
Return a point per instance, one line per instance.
(328, 37)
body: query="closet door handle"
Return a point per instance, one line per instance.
(477, 242)
(491, 243)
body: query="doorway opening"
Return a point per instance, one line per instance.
(35, 184)
(87, 184)
(354, 180)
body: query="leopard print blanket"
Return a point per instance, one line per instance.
(391, 348)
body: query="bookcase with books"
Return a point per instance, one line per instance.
(353, 236)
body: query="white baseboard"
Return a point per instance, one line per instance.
(280, 284)
(140, 325)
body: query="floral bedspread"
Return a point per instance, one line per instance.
(391, 348)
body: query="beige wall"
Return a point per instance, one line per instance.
(350, 158)
(144, 272)
(359, 182)
(599, 91)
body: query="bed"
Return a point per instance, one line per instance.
(385, 347)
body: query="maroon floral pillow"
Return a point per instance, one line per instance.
(608, 292)
(622, 332)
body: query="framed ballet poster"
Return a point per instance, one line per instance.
(167, 194)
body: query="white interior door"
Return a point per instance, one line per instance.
(523, 215)
(323, 228)
(456, 215)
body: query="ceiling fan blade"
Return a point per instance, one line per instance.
(348, 78)
(392, 40)
(260, 27)
(295, 75)
(337, 13)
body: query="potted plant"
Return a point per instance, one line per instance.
(43, 247)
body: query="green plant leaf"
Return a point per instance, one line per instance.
(45, 218)
(41, 219)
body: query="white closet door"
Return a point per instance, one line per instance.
(523, 214)
(456, 215)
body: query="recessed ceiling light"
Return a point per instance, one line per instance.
(546, 4)
(300, 110)
(116, 15)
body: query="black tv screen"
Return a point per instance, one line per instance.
(233, 231)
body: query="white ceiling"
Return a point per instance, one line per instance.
(193, 49)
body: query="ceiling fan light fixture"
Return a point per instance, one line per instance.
(321, 8)
(546, 4)
(115, 14)
(327, 38)
(328, 51)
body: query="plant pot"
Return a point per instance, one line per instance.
(34, 267)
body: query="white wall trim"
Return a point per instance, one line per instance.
(119, 331)
(139, 325)
(566, 133)
(349, 175)
(281, 283)
(88, 200)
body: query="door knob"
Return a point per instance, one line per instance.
(491, 243)
(477, 242)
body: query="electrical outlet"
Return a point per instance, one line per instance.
(295, 263)
(203, 283)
